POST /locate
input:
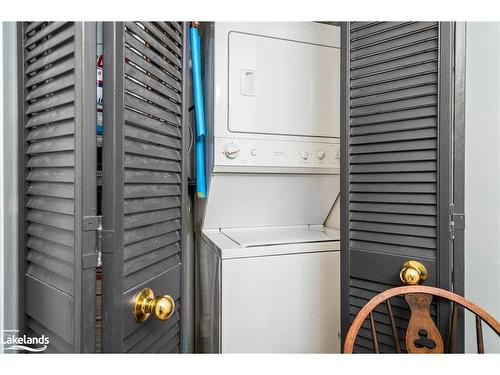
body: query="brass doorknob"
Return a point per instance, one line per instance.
(413, 273)
(145, 304)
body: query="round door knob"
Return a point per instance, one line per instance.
(321, 154)
(145, 305)
(231, 151)
(413, 273)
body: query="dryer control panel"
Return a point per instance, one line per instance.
(241, 152)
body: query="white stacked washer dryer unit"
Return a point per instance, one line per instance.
(267, 271)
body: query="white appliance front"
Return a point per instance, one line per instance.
(281, 303)
(275, 84)
(283, 87)
(268, 273)
(259, 200)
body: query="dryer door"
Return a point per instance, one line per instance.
(279, 86)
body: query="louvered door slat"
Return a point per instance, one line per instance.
(392, 166)
(143, 181)
(57, 113)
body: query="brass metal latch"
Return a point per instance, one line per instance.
(413, 273)
(145, 305)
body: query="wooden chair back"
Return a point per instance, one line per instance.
(422, 335)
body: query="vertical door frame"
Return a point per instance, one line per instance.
(444, 176)
(451, 120)
(187, 308)
(112, 166)
(85, 185)
(451, 170)
(458, 277)
(345, 272)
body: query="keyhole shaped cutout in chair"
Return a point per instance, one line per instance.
(422, 334)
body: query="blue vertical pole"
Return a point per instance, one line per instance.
(199, 110)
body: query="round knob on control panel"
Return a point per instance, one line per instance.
(304, 155)
(321, 154)
(231, 151)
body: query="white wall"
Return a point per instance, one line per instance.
(8, 177)
(482, 177)
(1, 198)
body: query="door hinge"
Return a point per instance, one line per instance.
(89, 261)
(457, 221)
(104, 236)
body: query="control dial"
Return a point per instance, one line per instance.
(231, 151)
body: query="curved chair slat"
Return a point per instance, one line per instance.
(415, 289)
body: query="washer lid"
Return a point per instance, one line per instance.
(267, 236)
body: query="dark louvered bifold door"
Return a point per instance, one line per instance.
(396, 158)
(58, 182)
(143, 184)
